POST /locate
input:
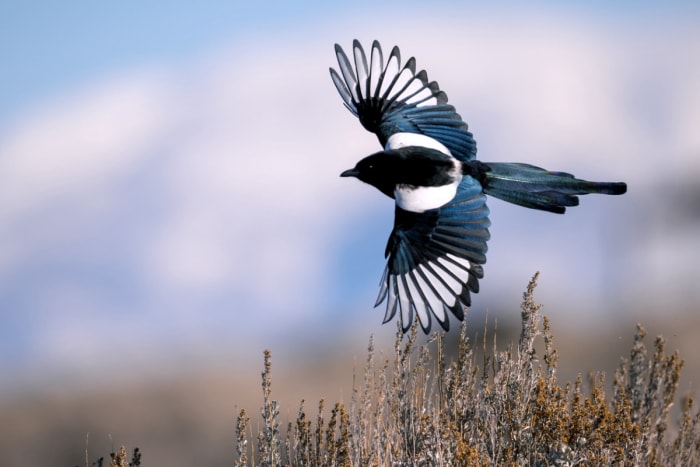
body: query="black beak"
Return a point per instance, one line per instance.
(350, 173)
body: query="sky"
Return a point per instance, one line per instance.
(169, 184)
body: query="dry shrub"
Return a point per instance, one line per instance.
(503, 408)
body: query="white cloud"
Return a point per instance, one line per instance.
(81, 140)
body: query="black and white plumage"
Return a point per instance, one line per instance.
(438, 244)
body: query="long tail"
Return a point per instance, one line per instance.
(536, 188)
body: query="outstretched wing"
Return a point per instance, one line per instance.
(435, 259)
(389, 98)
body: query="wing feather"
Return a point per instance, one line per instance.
(435, 259)
(388, 98)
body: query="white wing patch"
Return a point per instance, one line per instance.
(404, 302)
(427, 301)
(442, 292)
(430, 289)
(403, 139)
(456, 269)
(461, 261)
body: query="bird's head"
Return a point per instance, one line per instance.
(378, 170)
(412, 165)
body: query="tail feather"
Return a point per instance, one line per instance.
(537, 188)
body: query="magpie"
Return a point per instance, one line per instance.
(437, 248)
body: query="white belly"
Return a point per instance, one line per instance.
(420, 199)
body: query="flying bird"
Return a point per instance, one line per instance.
(437, 247)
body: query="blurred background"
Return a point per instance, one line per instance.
(170, 203)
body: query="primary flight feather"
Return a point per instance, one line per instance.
(428, 166)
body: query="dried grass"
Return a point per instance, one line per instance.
(506, 408)
(419, 407)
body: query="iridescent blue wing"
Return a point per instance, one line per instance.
(388, 98)
(435, 259)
